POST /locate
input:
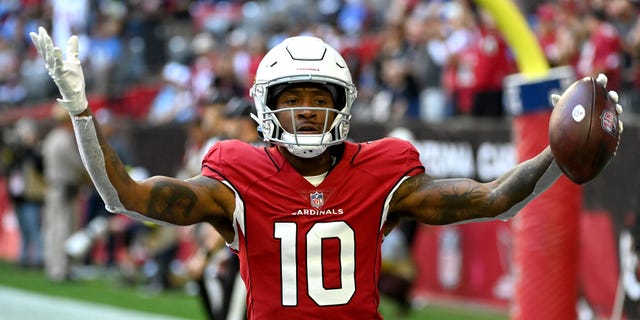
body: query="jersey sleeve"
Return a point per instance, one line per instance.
(411, 157)
(394, 154)
(237, 161)
(212, 165)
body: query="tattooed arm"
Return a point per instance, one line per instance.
(160, 198)
(443, 201)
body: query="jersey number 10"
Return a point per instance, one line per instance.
(287, 233)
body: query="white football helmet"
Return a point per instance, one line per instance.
(299, 60)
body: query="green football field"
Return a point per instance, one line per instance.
(107, 291)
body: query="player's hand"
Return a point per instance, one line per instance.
(613, 95)
(67, 74)
(602, 80)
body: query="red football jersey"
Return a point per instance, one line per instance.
(311, 252)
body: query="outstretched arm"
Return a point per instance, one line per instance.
(443, 201)
(158, 199)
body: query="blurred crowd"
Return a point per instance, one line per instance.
(411, 60)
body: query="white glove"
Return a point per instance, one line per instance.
(67, 74)
(602, 80)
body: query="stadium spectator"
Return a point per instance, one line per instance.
(625, 17)
(491, 62)
(458, 73)
(426, 55)
(239, 124)
(601, 53)
(398, 98)
(11, 91)
(64, 175)
(23, 163)
(240, 31)
(319, 204)
(106, 51)
(204, 48)
(398, 95)
(174, 102)
(215, 269)
(546, 32)
(558, 34)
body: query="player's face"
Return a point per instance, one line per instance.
(310, 114)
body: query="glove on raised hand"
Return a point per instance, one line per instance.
(67, 74)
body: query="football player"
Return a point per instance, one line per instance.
(308, 213)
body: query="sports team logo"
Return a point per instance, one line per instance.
(317, 199)
(608, 123)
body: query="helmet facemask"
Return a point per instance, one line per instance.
(309, 145)
(297, 61)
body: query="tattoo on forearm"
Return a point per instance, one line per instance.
(170, 199)
(468, 199)
(457, 199)
(464, 195)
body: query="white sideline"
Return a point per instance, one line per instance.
(18, 304)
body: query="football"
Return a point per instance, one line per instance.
(583, 130)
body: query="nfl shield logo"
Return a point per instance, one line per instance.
(317, 199)
(608, 123)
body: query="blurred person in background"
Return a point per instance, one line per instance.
(197, 136)
(65, 175)
(202, 133)
(159, 245)
(601, 52)
(247, 48)
(545, 29)
(457, 73)
(426, 56)
(174, 102)
(106, 50)
(216, 271)
(625, 16)
(12, 92)
(70, 17)
(397, 96)
(204, 48)
(634, 45)
(559, 34)
(22, 160)
(571, 31)
(239, 124)
(491, 63)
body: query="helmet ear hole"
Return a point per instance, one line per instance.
(343, 128)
